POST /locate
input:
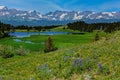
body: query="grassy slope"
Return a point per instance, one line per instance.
(58, 64)
(63, 30)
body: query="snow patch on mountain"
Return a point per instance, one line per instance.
(54, 19)
(99, 17)
(40, 16)
(76, 17)
(2, 7)
(79, 12)
(5, 13)
(31, 11)
(24, 14)
(33, 18)
(89, 16)
(108, 13)
(62, 16)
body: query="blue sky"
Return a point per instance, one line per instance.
(45, 6)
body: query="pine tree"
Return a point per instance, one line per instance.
(96, 37)
(49, 46)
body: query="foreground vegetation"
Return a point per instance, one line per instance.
(91, 56)
(93, 61)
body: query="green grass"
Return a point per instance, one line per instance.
(77, 58)
(94, 60)
(59, 41)
(60, 28)
(9, 41)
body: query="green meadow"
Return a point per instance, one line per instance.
(60, 41)
(78, 57)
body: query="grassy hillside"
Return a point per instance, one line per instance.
(93, 61)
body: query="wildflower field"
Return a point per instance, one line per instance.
(98, 60)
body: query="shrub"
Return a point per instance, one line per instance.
(21, 51)
(63, 28)
(7, 55)
(6, 35)
(96, 37)
(6, 51)
(49, 45)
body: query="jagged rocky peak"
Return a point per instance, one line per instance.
(3, 8)
(32, 15)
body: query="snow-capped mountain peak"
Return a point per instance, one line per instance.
(108, 13)
(32, 15)
(3, 7)
(31, 11)
(63, 16)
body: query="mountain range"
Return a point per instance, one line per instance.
(34, 18)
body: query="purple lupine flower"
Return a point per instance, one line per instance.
(100, 65)
(75, 62)
(80, 62)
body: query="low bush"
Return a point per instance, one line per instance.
(21, 51)
(6, 51)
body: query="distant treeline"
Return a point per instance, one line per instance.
(39, 28)
(79, 25)
(5, 29)
(85, 27)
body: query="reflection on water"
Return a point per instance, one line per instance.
(17, 40)
(28, 34)
(29, 42)
(42, 42)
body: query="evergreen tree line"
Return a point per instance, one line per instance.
(85, 27)
(38, 28)
(5, 29)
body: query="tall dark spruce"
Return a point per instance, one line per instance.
(49, 46)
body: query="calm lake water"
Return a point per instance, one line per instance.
(28, 34)
(28, 41)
